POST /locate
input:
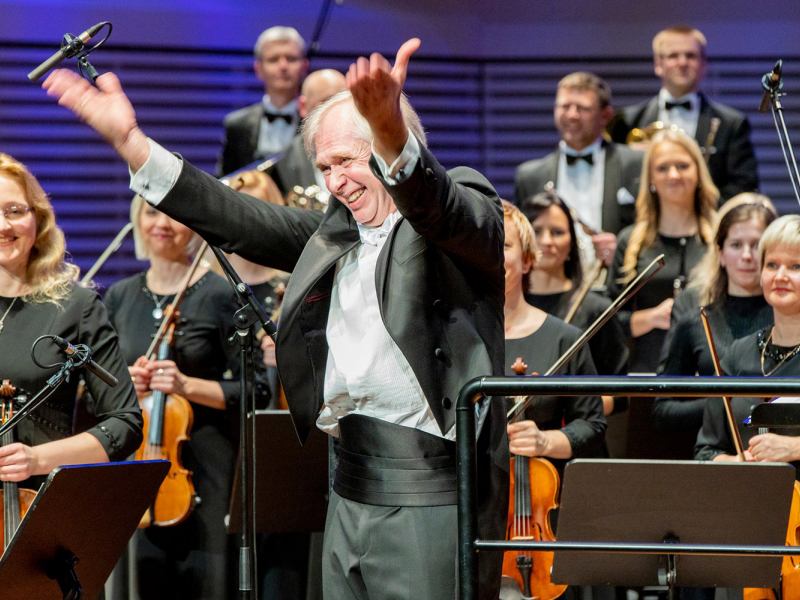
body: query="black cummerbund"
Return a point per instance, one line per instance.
(391, 465)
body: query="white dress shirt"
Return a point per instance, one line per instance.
(366, 372)
(581, 187)
(684, 119)
(276, 136)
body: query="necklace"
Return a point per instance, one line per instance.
(8, 310)
(774, 354)
(158, 312)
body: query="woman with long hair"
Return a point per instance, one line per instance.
(674, 216)
(39, 295)
(189, 560)
(556, 280)
(727, 282)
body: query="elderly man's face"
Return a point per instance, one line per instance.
(282, 67)
(344, 161)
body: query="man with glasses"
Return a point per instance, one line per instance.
(269, 126)
(679, 58)
(598, 179)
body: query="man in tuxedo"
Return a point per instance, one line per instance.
(679, 58)
(295, 167)
(395, 302)
(269, 126)
(597, 179)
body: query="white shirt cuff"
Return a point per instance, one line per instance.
(403, 166)
(158, 175)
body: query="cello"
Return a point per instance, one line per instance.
(790, 567)
(16, 501)
(168, 420)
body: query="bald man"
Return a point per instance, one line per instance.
(295, 168)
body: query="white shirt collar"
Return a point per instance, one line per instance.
(592, 148)
(664, 96)
(373, 235)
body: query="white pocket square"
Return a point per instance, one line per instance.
(624, 196)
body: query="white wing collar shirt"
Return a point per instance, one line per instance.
(685, 118)
(274, 136)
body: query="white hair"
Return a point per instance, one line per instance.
(278, 34)
(361, 129)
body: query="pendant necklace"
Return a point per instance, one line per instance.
(8, 310)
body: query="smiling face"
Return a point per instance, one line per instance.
(680, 63)
(780, 279)
(162, 236)
(674, 173)
(579, 118)
(739, 257)
(343, 159)
(17, 235)
(553, 238)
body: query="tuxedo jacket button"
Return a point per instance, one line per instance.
(447, 404)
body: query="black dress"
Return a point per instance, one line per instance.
(580, 418)
(116, 420)
(686, 350)
(608, 346)
(189, 560)
(680, 256)
(742, 359)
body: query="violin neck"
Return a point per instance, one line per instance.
(155, 430)
(11, 513)
(522, 486)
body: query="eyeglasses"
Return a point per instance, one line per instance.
(14, 212)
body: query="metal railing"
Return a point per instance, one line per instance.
(468, 542)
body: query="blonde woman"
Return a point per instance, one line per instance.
(728, 283)
(39, 296)
(674, 216)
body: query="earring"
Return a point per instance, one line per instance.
(653, 188)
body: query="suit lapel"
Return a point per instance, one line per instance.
(650, 114)
(703, 121)
(254, 127)
(551, 169)
(612, 181)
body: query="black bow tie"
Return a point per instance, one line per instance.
(572, 159)
(271, 116)
(687, 104)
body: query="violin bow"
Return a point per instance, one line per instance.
(516, 411)
(737, 440)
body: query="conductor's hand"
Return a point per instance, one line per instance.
(526, 439)
(770, 447)
(376, 87)
(17, 462)
(165, 377)
(106, 109)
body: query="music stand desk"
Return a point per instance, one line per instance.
(76, 529)
(691, 502)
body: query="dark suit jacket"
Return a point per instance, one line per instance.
(732, 164)
(623, 169)
(440, 284)
(294, 168)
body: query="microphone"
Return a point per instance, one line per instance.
(771, 82)
(82, 350)
(67, 50)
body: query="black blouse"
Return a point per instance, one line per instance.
(580, 418)
(686, 350)
(742, 359)
(79, 319)
(680, 256)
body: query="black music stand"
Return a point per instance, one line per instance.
(690, 502)
(780, 415)
(291, 480)
(76, 529)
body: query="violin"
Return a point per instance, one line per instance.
(790, 567)
(168, 420)
(533, 497)
(15, 501)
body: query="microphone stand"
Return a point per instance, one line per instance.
(248, 315)
(774, 85)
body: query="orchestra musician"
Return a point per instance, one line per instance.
(674, 216)
(40, 296)
(772, 350)
(384, 319)
(727, 281)
(555, 283)
(188, 560)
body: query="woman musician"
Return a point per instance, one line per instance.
(555, 284)
(728, 283)
(772, 350)
(189, 560)
(39, 296)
